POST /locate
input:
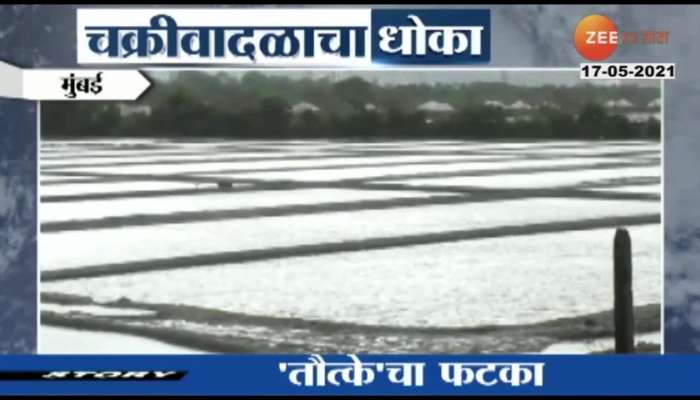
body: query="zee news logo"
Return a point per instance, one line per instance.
(107, 375)
(597, 37)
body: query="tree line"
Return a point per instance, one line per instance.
(258, 106)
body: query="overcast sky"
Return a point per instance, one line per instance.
(393, 77)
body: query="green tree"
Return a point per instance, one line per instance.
(274, 116)
(354, 91)
(592, 114)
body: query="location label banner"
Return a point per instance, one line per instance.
(67, 84)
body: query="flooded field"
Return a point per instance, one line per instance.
(298, 246)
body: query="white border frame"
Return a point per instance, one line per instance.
(662, 142)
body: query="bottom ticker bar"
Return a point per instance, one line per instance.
(350, 374)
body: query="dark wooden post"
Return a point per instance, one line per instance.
(624, 311)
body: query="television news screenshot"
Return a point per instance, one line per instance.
(370, 199)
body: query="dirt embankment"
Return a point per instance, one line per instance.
(219, 331)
